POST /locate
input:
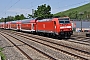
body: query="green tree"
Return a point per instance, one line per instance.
(30, 16)
(76, 15)
(21, 17)
(10, 18)
(43, 11)
(2, 19)
(17, 17)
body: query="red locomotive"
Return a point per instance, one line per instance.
(56, 27)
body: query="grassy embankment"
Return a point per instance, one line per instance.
(74, 12)
(2, 55)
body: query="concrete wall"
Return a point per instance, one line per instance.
(84, 29)
(80, 33)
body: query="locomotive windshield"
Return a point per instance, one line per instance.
(64, 20)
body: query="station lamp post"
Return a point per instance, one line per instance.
(81, 14)
(5, 23)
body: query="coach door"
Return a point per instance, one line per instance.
(32, 26)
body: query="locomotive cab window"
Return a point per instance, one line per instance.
(61, 22)
(67, 21)
(64, 20)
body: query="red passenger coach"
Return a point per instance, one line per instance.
(15, 25)
(7, 25)
(60, 27)
(28, 25)
(2, 25)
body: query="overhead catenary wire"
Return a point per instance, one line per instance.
(37, 4)
(8, 4)
(13, 4)
(43, 2)
(17, 2)
(64, 6)
(31, 7)
(5, 7)
(10, 7)
(73, 4)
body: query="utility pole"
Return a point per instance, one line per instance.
(81, 14)
(81, 24)
(33, 11)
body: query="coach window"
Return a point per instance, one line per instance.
(18, 24)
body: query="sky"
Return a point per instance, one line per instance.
(17, 7)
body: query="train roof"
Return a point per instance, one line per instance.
(15, 21)
(27, 20)
(64, 18)
(7, 22)
(23, 21)
(50, 19)
(44, 20)
(4, 22)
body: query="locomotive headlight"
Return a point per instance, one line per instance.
(70, 29)
(61, 30)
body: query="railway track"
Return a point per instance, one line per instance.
(53, 52)
(23, 52)
(77, 53)
(17, 47)
(83, 40)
